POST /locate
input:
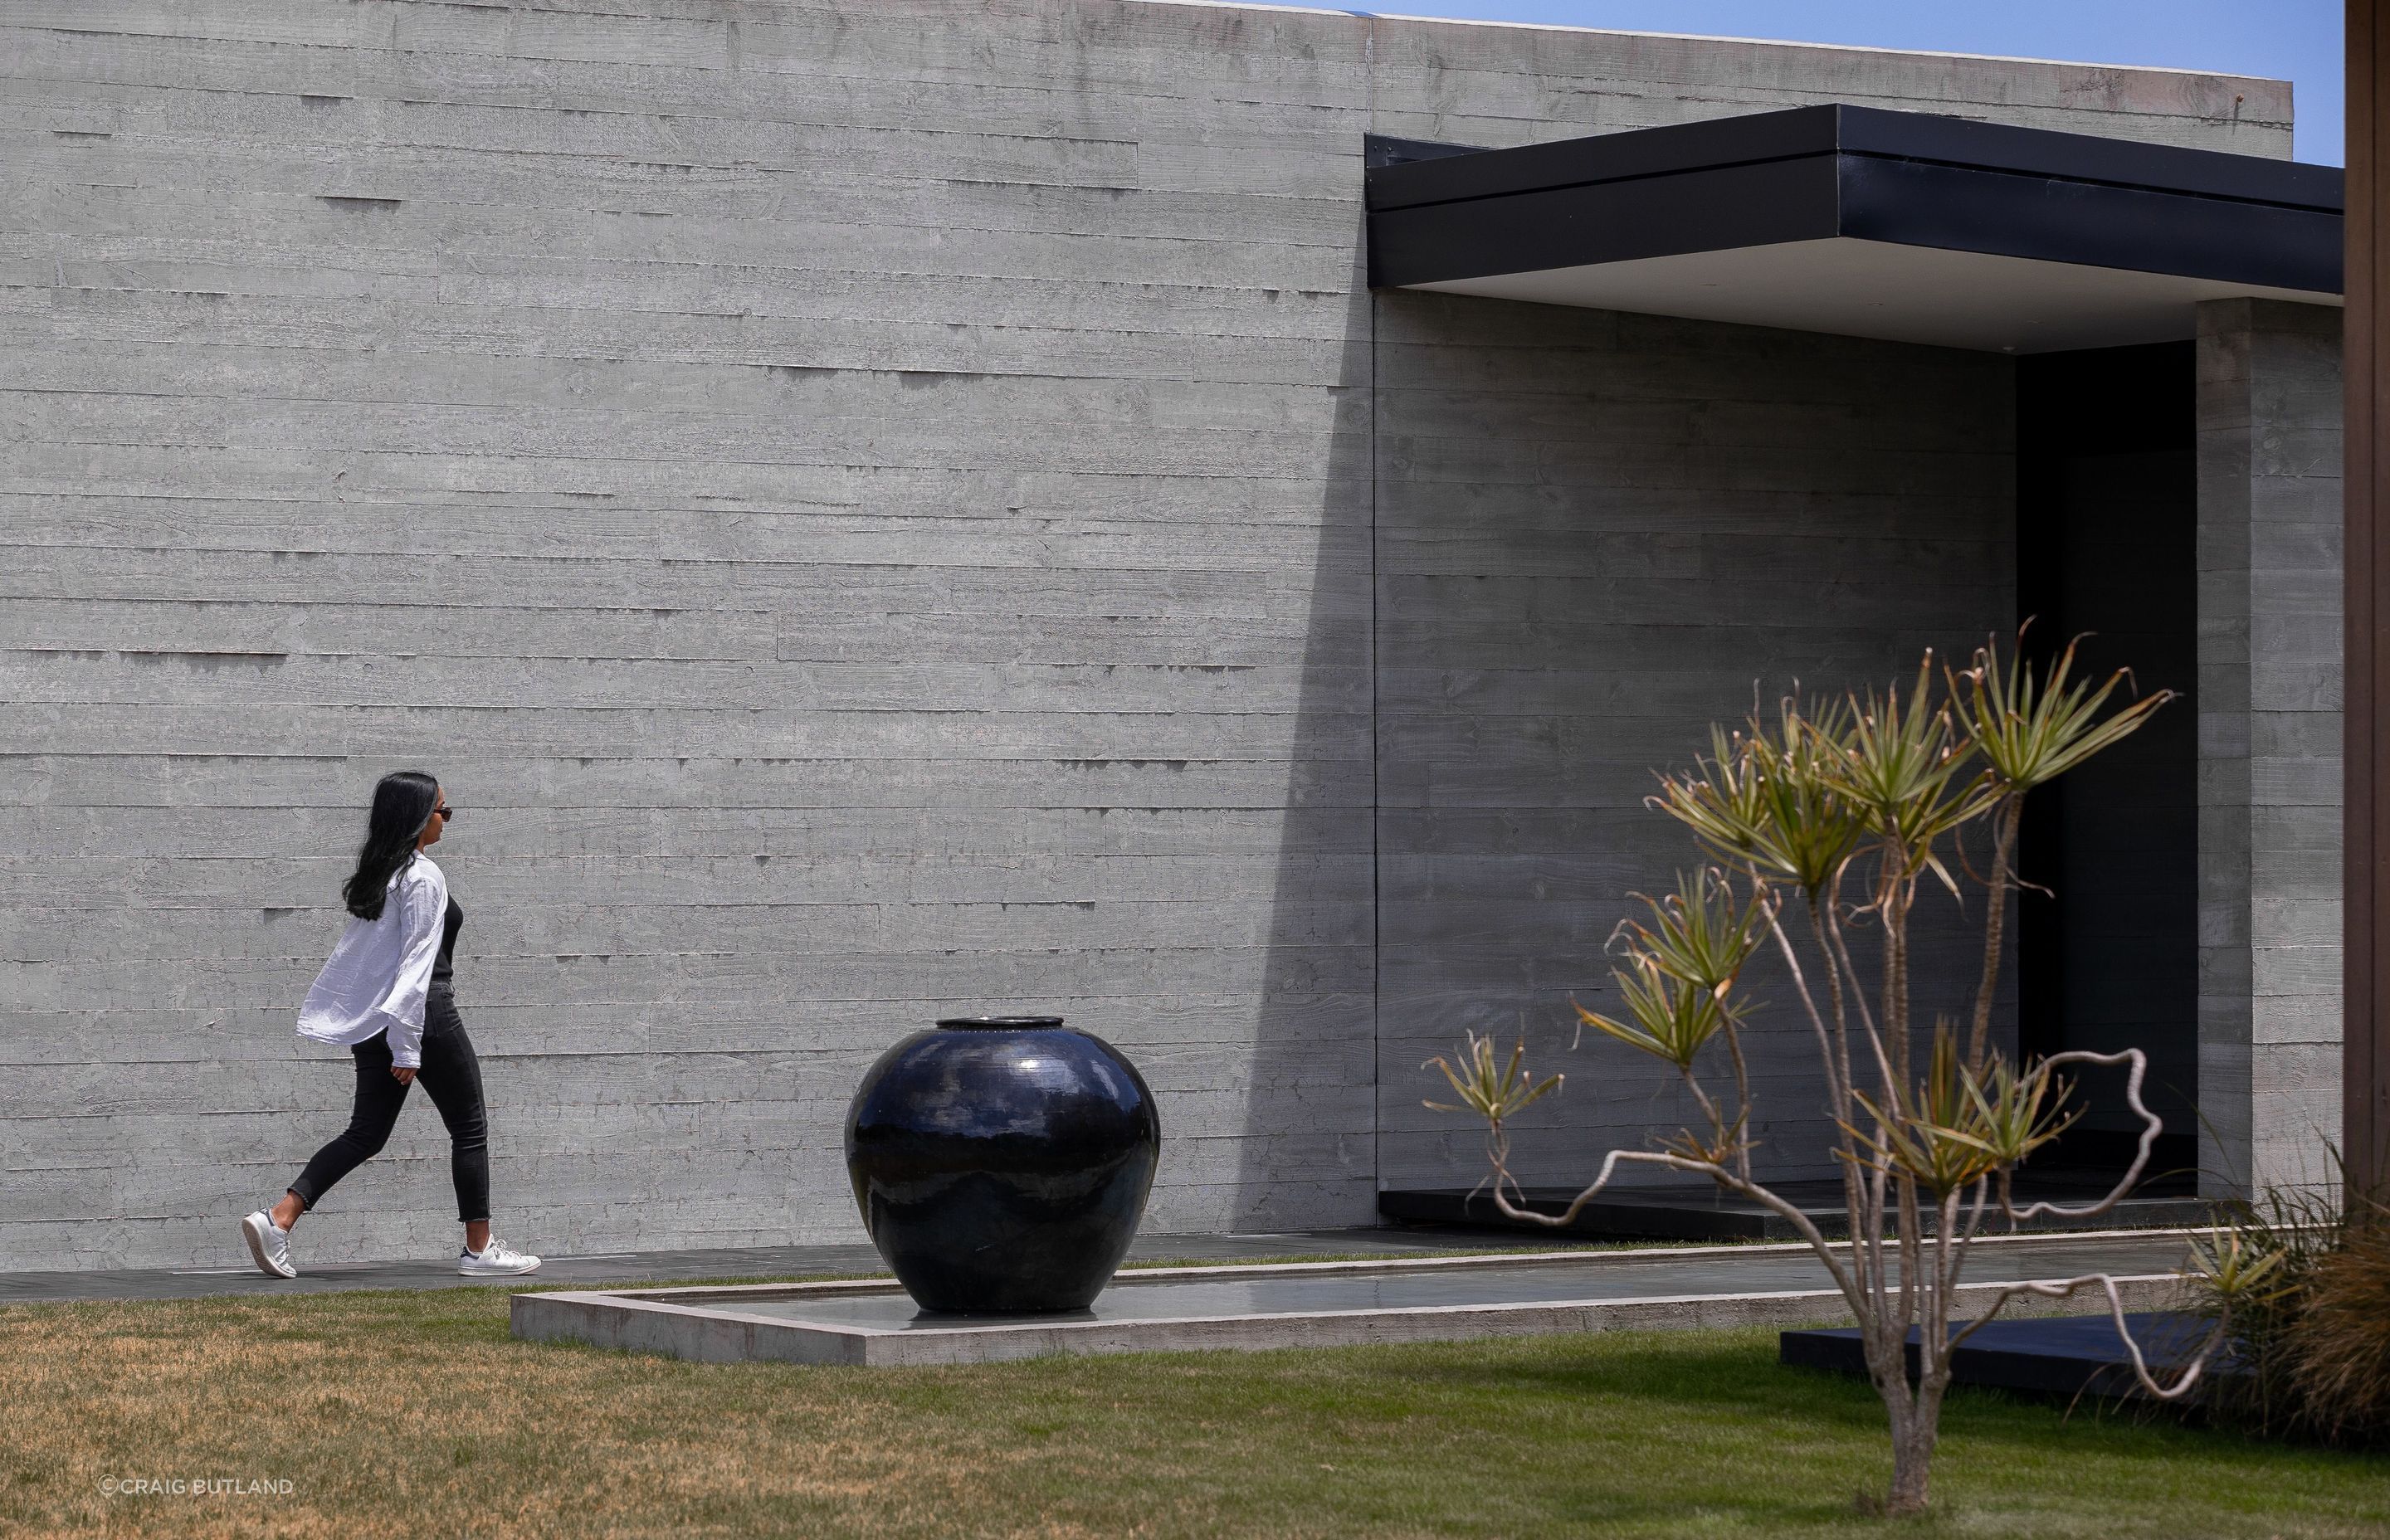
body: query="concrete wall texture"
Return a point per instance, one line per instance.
(1598, 533)
(877, 510)
(2269, 702)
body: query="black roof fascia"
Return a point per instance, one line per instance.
(1382, 150)
(1813, 172)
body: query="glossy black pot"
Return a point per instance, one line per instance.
(1002, 1162)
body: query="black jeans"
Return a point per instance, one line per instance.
(453, 1076)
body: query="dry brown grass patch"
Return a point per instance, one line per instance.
(2340, 1341)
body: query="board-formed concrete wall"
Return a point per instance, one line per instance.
(1598, 534)
(2270, 713)
(869, 510)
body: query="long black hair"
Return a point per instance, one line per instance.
(402, 806)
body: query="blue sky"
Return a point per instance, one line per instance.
(2293, 40)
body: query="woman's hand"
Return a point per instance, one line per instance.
(402, 1074)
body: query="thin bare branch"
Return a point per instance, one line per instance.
(1995, 914)
(2062, 1288)
(1842, 952)
(1790, 1214)
(2152, 1126)
(1837, 1074)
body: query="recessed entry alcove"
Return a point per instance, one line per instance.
(2165, 319)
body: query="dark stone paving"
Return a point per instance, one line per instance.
(237, 1275)
(2059, 1356)
(1701, 1212)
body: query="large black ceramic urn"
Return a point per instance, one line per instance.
(1002, 1162)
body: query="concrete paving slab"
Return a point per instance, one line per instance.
(603, 1269)
(1307, 1304)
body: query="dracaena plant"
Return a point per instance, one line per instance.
(1820, 826)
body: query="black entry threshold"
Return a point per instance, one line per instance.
(1678, 1211)
(2068, 1356)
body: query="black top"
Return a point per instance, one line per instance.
(443, 968)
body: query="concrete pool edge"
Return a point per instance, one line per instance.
(702, 1324)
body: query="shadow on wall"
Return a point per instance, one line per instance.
(1305, 1151)
(1596, 534)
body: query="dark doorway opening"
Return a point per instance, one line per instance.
(2107, 521)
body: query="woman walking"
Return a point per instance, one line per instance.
(386, 996)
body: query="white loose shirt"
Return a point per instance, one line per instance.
(381, 969)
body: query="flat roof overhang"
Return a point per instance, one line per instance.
(1906, 226)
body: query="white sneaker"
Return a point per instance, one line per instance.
(496, 1260)
(269, 1243)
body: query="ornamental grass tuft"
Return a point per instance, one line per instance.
(2339, 1341)
(2303, 1280)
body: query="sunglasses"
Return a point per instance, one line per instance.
(447, 811)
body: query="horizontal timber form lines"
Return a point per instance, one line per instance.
(872, 516)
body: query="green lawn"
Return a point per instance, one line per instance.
(409, 1413)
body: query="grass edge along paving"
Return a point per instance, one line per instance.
(405, 1412)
